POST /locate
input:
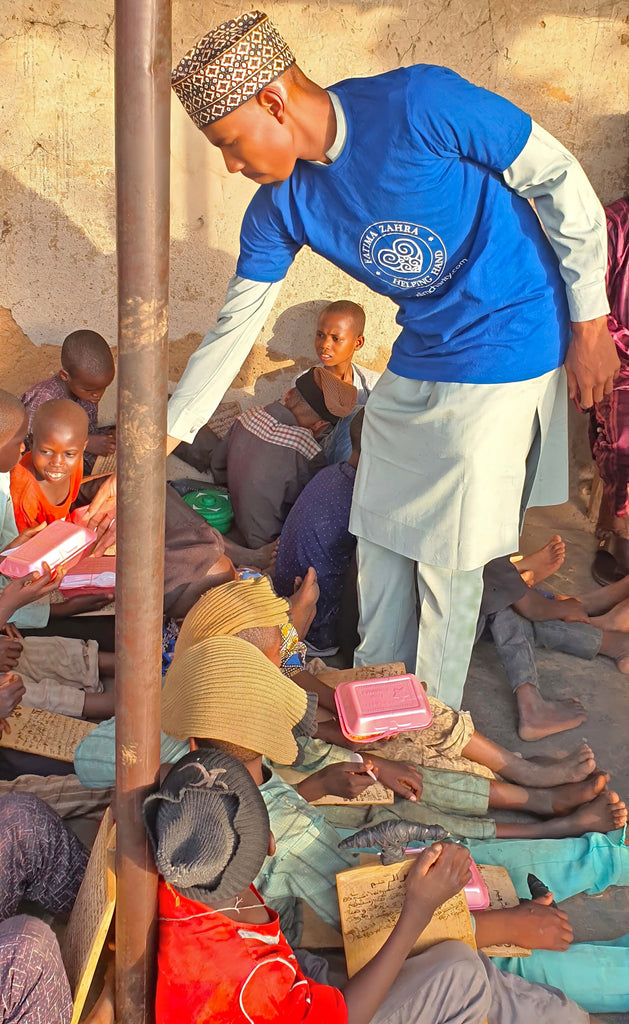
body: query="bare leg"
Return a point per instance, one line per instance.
(99, 705)
(616, 619)
(539, 718)
(616, 646)
(543, 563)
(257, 558)
(546, 803)
(604, 814)
(106, 663)
(541, 772)
(603, 599)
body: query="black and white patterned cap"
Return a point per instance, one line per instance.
(229, 65)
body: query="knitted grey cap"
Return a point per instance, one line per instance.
(208, 826)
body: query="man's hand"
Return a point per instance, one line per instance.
(400, 776)
(25, 535)
(438, 872)
(103, 501)
(10, 651)
(537, 925)
(11, 692)
(101, 444)
(591, 362)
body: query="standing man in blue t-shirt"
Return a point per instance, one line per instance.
(416, 183)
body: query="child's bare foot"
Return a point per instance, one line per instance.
(539, 718)
(604, 814)
(561, 800)
(543, 563)
(616, 619)
(616, 645)
(264, 557)
(303, 603)
(544, 772)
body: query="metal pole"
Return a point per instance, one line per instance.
(142, 84)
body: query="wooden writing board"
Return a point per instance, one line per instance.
(221, 421)
(104, 464)
(374, 794)
(45, 733)
(332, 677)
(370, 901)
(91, 916)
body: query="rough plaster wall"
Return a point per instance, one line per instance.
(562, 60)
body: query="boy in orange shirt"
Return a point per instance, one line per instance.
(47, 479)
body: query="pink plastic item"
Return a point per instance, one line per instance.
(371, 709)
(80, 516)
(61, 543)
(476, 892)
(90, 577)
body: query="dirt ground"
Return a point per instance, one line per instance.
(599, 686)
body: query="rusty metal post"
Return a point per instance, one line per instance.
(142, 85)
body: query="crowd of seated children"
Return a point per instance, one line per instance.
(240, 704)
(210, 834)
(87, 370)
(271, 452)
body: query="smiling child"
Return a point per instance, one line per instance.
(47, 479)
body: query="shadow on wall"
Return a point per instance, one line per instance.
(292, 332)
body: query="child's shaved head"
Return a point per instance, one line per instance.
(12, 415)
(60, 413)
(88, 352)
(345, 308)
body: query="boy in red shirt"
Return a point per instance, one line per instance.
(47, 479)
(222, 956)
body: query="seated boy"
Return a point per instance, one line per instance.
(520, 618)
(210, 834)
(47, 479)
(339, 335)
(87, 370)
(316, 533)
(271, 453)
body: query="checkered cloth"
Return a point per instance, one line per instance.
(261, 424)
(229, 66)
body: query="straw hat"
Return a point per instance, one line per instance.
(330, 397)
(227, 610)
(225, 689)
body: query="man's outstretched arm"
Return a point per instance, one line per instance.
(211, 369)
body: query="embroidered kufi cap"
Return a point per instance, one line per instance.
(227, 610)
(208, 826)
(230, 65)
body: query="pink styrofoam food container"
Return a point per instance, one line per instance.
(476, 892)
(61, 543)
(377, 708)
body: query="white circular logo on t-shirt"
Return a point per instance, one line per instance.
(405, 255)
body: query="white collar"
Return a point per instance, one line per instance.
(340, 139)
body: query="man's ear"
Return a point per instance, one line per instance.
(272, 99)
(359, 342)
(64, 375)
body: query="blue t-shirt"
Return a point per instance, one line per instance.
(316, 532)
(416, 208)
